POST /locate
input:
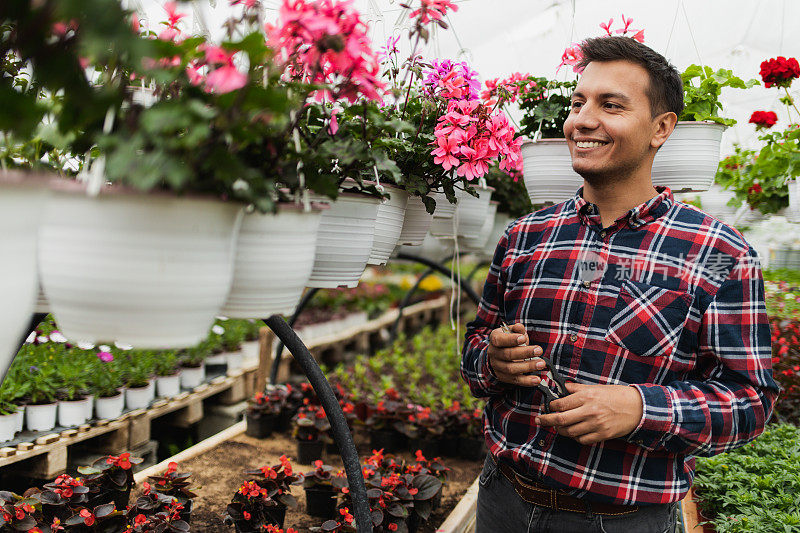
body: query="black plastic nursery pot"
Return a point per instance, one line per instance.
(388, 440)
(284, 420)
(448, 446)
(275, 515)
(309, 451)
(321, 501)
(472, 448)
(429, 447)
(260, 425)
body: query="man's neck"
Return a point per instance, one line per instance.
(616, 199)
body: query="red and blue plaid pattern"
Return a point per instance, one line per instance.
(667, 299)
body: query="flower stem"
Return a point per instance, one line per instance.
(791, 101)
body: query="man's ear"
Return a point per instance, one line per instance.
(665, 123)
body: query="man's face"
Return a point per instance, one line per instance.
(610, 128)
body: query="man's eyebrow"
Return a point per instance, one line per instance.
(604, 96)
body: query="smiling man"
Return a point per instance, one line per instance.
(652, 310)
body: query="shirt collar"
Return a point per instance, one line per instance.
(640, 215)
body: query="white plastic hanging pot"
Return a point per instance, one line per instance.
(388, 225)
(22, 201)
(191, 377)
(476, 244)
(715, 202)
(71, 413)
(110, 407)
(148, 270)
(274, 259)
(8, 427)
(416, 223)
(792, 213)
(168, 386)
(547, 171)
(346, 233)
(689, 159)
(432, 248)
(472, 213)
(501, 222)
(41, 417)
(443, 221)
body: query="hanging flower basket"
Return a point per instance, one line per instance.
(345, 239)
(688, 160)
(715, 202)
(388, 225)
(22, 201)
(548, 172)
(501, 222)
(274, 259)
(476, 244)
(468, 215)
(442, 222)
(792, 213)
(416, 223)
(149, 270)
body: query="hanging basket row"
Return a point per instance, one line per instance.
(686, 162)
(154, 270)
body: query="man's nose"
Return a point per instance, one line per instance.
(587, 117)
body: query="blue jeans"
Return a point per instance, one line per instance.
(501, 510)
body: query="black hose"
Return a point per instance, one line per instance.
(339, 429)
(276, 361)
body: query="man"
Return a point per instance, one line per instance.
(651, 309)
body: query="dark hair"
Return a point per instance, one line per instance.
(665, 91)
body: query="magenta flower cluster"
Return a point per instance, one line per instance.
(452, 80)
(470, 136)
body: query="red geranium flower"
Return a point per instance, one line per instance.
(779, 71)
(763, 119)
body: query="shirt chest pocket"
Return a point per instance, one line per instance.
(648, 320)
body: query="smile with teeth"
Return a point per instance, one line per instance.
(592, 144)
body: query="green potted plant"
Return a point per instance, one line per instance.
(193, 366)
(688, 160)
(168, 375)
(42, 379)
(138, 373)
(232, 340)
(106, 386)
(73, 382)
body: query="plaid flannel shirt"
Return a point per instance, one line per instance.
(668, 300)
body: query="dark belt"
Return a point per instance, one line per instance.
(545, 496)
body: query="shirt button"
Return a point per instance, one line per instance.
(587, 284)
(602, 234)
(541, 443)
(573, 337)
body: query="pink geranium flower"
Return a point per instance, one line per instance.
(225, 79)
(105, 357)
(326, 42)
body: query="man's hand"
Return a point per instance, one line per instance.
(511, 357)
(594, 413)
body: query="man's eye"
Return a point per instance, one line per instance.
(576, 104)
(613, 105)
